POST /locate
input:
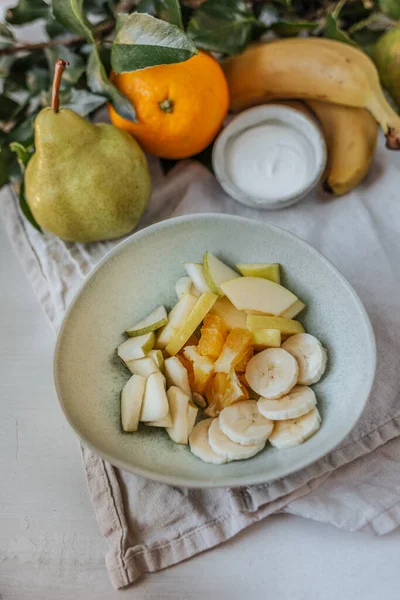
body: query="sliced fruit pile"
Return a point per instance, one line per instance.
(231, 350)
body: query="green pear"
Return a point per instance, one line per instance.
(85, 182)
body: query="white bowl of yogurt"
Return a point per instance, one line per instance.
(270, 156)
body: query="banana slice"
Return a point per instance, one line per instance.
(230, 450)
(243, 423)
(298, 402)
(200, 447)
(310, 355)
(272, 373)
(293, 432)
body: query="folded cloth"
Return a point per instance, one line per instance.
(150, 526)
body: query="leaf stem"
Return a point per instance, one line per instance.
(102, 29)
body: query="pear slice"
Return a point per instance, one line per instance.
(155, 401)
(266, 338)
(177, 375)
(269, 271)
(176, 320)
(131, 402)
(231, 316)
(136, 347)
(294, 310)
(216, 272)
(155, 320)
(285, 326)
(158, 358)
(260, 295)
(196, 272)
(178, 406)
(142, 366)
(200, 310)
(192, 416)
(184, 286)
(165, 422)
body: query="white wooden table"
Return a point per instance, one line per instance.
(50, 547)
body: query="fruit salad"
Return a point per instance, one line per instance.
(229, 368)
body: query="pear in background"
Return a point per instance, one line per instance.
(85, 182)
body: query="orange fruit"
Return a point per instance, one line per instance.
(213, 336)
(223, 390)
(202, 366)
(180, 107)
(240, 367)
(235, 349)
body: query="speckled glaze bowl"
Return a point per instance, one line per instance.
(140, 274)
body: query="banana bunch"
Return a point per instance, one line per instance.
(340, 85)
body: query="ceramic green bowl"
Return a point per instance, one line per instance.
(140, 274)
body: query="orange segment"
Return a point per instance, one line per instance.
(240, 367)
(213, 336)
(234, 351)
(223, 390)
(202, 367)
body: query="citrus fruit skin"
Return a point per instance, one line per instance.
(180, 107)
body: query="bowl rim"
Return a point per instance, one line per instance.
(232, 481)
(261, 115)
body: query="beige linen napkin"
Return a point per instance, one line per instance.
(150, 526)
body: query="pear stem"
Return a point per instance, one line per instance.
(59, 69)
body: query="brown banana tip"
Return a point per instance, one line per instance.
(59, 68)
(393, 139)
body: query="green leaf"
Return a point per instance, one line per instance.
(170, 10)
(167, 10)
(142, 41)
(6, 62)
(6, 36)
(391, 8)
(23, 153)
(333, 31)
(23, 132)
(101, 7)
(27, 11)
(37, 79)
(293, 28)
(147, 6)
(8, 108)
(24, 206)
(70, 13)
(80, 101)
(76, 66)
(99, 83)
(54, 29)
(225, 26)
(5, 164)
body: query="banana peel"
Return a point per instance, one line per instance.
(351, 135)
(310, 69)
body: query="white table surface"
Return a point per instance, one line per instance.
(50, 546)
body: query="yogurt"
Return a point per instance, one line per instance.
(269, 156)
